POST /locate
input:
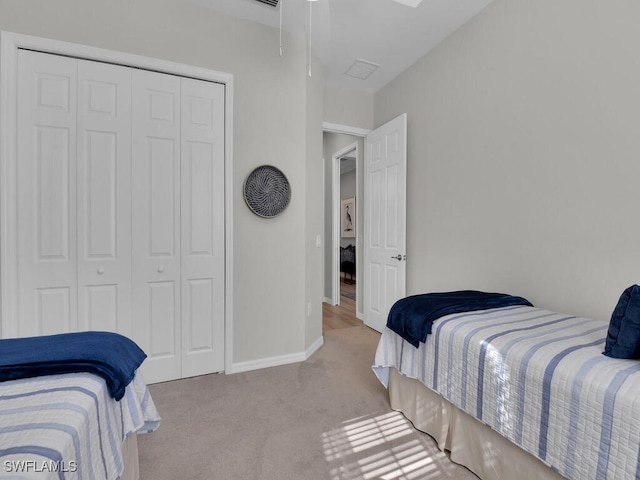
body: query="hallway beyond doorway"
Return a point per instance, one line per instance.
(343, 315)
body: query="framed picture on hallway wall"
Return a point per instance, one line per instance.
(348, 217)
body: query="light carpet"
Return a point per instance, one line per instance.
(326, 418)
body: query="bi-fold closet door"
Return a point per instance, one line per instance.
(121, 209)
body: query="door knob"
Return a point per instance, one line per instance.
(397, 257)
(100, 271)
(160, 269)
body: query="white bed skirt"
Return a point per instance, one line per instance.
(130, 457)
(471, 443)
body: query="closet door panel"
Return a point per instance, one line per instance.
(100, 308)
(202, 199)
(46, 177)
(160, 166)
(104, 197)
(162, 303)
(156, 222)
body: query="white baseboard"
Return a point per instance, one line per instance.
(277, 361)
(329, 301)
(314, 347)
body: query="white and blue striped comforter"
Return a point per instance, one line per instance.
(68, 427)
(536, 377)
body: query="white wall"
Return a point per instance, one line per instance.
(276, 110)
(524, 154)
(314, 191)
(344, 106)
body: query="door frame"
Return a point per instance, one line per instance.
(10, 43)
(356, 132)
(335, 217)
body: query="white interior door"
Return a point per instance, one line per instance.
(385, 172)
(202, 247)
(46, 194)
(104, 197)
(156, 222)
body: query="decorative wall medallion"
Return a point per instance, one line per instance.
(267, 191)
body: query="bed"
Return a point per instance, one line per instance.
(519, 392)
(70, 425)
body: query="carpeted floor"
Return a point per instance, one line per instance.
(326, 418)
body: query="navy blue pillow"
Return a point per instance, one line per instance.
(623, 337)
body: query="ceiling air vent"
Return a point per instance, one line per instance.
(362, 69)
(273, 3)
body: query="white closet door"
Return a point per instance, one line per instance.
(202, 199)
(120, 209)
(104, 197)
(46, 170)
(156, 222)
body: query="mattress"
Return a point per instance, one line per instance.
(68, 426)
(536, 377)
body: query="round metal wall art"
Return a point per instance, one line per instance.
(267, 191)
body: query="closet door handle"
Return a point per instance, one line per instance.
(160, 269)
(100, 271)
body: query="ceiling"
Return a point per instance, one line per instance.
(347, 164)
(382, 32)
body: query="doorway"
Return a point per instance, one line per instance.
(340, 310)
(343, 171)
(345, 226)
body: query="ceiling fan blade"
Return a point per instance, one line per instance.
(273, 3)
(410, 3)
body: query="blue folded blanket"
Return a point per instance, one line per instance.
(412, 317)
(109, 355)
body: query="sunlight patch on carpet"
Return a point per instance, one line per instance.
(384, 446)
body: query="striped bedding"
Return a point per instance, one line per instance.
(536, 377)
(68, 427)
